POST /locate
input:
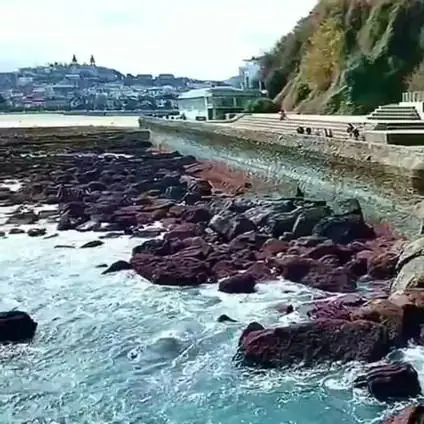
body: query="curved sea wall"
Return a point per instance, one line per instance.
(397, 168)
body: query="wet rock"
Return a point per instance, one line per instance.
(2, 234)
(249, 240)
(314, 274)
(173, 270)
(64, 246)
(51, 236)
(176, 192)
(101, 266)
(390, 381)
(253, 326)
(112, 235)
(16, 326)
(183, 231)
(147, 233)
(229, 226)
(391, 316)
(285, 309)
(23, 217)
(225, 318)
(336, 308)
(117, 266)
(36, 232)
(90, 244)
(315, 342)
(242, 283)
(88, 226)
(410, 415)
(15, 231)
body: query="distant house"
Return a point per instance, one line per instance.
(214, 102)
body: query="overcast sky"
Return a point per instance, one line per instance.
(196, 38)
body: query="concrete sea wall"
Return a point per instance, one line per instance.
(398, 168)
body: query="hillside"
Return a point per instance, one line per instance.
(349, 56)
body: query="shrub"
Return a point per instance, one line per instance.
(262, 106)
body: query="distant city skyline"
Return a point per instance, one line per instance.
(185, 37)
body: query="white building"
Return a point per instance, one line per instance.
(250, 74)
(214, 102)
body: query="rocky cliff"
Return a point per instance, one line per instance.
(349, 56)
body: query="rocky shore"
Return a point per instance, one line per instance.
(206, 225)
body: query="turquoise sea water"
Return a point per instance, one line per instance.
(116, 349)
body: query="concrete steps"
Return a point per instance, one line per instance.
(289, 126)
(395, 113)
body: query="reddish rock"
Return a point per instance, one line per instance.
(197, 214)
(336, 308)
(224, 268)
(342, 253)
(229, 226)
(285, 308)
(314, 274)
(383, 266)
(315, 342)
(260, 271)
(174, 270)
(241, 283)
(390, 381)
(183, 231)
(273, 246)
(410, 415)
(388, 314)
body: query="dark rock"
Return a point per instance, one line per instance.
(389, 315)
(314, 274)
(90, 244)
(118, 266)
(23, 217)
(253, 326)
(36, 232)
(308, 219)
(390, 381)
(88, 226)
(274, 246)
(229, 226)
(176, 192)
(112, 235)
(225, 318)
(16, 231)
(242, 283)
(344, 229)
(336, 308)
(173, 270)
(347, 207)
(51, 236)
(197, 214)
(285, 309)
(64, 246)
(2, 234)
(101, 266)
(315, 342)
(16, 326)
(147, 233)
(200, 187)
(383, 266)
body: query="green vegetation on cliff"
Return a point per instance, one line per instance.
(349, 56)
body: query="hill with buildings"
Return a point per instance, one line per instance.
(88, 86)
(348, 56)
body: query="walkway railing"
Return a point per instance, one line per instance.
(413, 96)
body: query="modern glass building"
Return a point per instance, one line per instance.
(215, 102)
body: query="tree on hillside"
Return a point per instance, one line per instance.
(415, 82)
(322, 59)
